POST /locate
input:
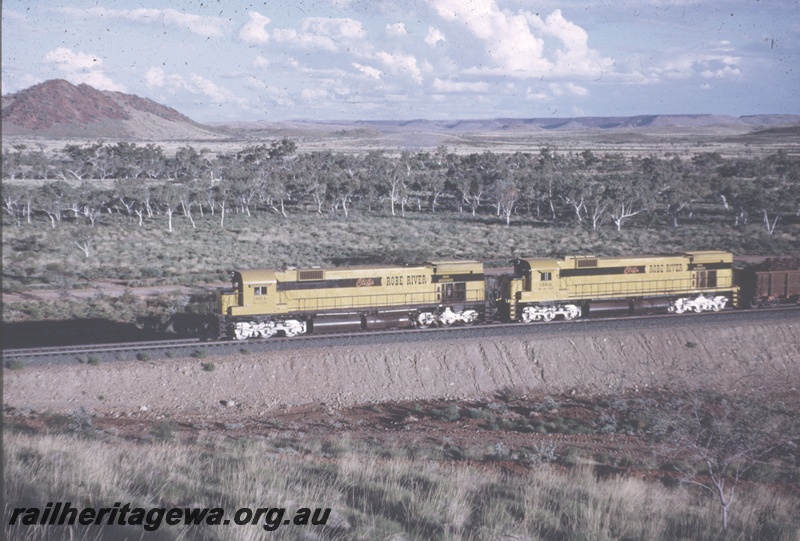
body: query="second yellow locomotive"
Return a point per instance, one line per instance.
(543, 289)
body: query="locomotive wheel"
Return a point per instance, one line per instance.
(548, 316)
(426, 320)
(268, 333)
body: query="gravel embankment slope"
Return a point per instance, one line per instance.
(741, 356)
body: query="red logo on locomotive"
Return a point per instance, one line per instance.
(631, 270)
(365, 282)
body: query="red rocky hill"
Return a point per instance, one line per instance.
(57, 108)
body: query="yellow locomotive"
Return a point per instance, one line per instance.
(296, 301)
(543, 289)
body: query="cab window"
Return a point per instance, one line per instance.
(546, 276)
(260, 290)
(454, 292)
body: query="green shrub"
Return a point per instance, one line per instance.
(163, 431)
(450, 413)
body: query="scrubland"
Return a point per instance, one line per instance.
(37, 257)
(417, 486)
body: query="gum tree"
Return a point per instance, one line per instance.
(726, 436)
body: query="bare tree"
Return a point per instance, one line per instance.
(506, 193)
(726, 436)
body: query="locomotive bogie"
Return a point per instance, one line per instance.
(698, 304)
(242, 330)
(550, 312)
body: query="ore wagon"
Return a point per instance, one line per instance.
(771, 283)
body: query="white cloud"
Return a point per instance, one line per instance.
(213, 91)
(154, 77)
(570, 89)
(433, 36)
(314, 94)
(260, 62)
(455, 86)
(343, 28)
(98, 80)
(268, 93)
(297, 39)
(324, 33)
(575, 57)
(401, 64)
(82, 68)
(397, 29)
(507, 37)
(369, 71)
(10, 14)
(515, 42)
(254, 30)
(531, 94)
(727, 71)
(682, 65)
(198, 24)
(68, 60)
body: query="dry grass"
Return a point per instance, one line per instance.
(411, 493)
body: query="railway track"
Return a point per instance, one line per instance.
(345, 338)
(98, 348)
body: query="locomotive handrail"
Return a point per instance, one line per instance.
(660, 286)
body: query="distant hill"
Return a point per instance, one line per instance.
(741, 124)
(57, 109)
(504, 132)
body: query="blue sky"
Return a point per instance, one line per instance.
(435, 59)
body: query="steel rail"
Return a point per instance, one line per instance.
(208, 344)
